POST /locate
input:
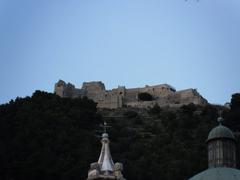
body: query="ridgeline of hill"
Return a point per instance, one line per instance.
(48, 137)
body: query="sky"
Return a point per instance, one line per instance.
(187, 44)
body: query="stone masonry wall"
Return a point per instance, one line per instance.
(163, 95)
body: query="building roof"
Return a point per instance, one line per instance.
(105, 168)
(220, 132)
(105, 159)
(221, 173)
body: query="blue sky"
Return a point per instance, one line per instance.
(187, 44)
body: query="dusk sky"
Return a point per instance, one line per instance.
(187, 44)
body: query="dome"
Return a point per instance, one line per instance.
(220, 132)
(220, 173)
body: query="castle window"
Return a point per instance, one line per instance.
(120, 93)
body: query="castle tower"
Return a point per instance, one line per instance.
(221, 155)
(59, 88)
(63, 89)
(105, 168)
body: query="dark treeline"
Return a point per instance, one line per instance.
(48, 137)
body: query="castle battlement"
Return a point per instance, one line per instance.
(163, 95)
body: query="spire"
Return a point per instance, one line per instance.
(105, 158)
(105, 168)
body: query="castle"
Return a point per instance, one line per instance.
(163, 95)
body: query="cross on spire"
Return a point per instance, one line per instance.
(105, 126)
(220, 118)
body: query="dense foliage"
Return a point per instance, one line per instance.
(145, 96)
(48, 137)
(233, 117)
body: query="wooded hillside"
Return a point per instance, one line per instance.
(48, 137)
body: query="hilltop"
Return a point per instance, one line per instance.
(140, 97)
(48, 137)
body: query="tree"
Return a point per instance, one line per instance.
(47, 137)
(233, 116)
(145, 96)
(235, 101)
(155, 109)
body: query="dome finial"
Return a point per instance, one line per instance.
(220, 118)
(105, 126)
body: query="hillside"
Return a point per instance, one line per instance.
(48, 137)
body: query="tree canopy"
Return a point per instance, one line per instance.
(145, 96)
(48, 137)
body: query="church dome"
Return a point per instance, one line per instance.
(221, 173)
(220, 132)
(221, 155)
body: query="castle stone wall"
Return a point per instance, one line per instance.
(163, 95)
